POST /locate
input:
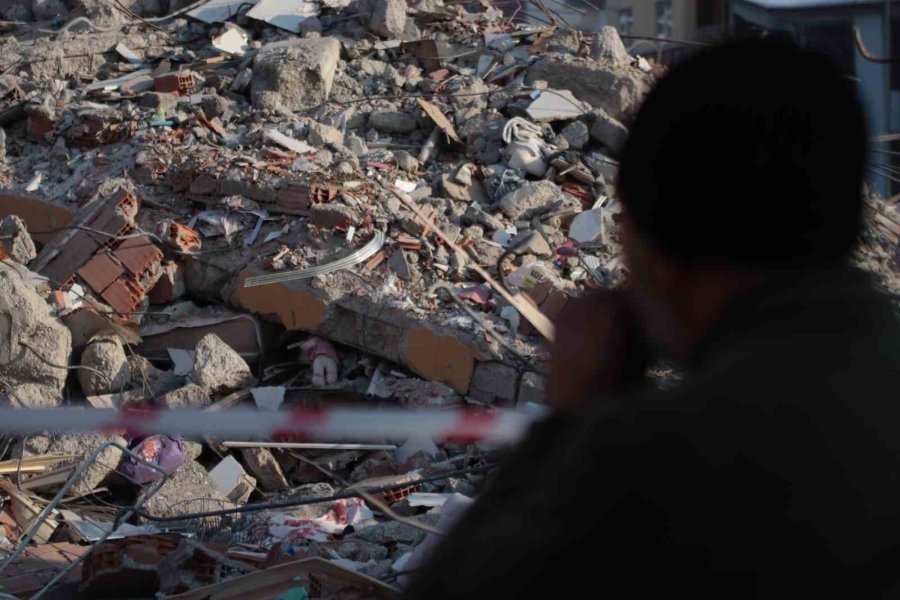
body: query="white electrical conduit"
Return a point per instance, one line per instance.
(364, 253)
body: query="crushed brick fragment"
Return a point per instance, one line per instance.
(138, 254)
(100, 271)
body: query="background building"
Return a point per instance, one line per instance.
(689, 20)
(829, 26)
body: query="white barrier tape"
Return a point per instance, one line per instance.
(461, 426)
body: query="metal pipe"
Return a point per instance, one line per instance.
(303, 446)
(349, 493)
(865, 52)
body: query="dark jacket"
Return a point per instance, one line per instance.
(772, 472)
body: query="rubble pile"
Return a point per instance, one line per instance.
(289, 205)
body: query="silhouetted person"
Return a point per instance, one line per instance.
(773, 470)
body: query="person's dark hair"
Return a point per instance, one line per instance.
(750, 152)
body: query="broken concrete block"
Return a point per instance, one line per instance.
(333, 215)
(190, 489)
(216, 106)
(159, 101)
(531, 388)
(108, 369)
(322, 135)
(79, 446)
(535, 244)
(394, 532)
(556, 105)
(454, 190)
(294, 74)
(28, 330)
(617, 89)
(209, 279)
(493, 382)
(143, 373)
(532, 196)
(607, 47)
(262, 463)
(439, 353)
(17, 243)
(218, 368)
(2, 144)
(357, 145)
(388, 18)
(309, 491)
(406, 161)
(392, 121)
(576, 134)
(189, 396)
(609, 132)
(361, 551)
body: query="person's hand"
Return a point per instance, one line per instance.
(598, 351)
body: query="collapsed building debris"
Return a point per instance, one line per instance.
(36, 346)
(225, 205)
(17, 244)
(77, 447)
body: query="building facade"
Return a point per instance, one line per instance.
(830, 26)
(677, 19)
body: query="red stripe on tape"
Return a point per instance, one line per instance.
(473, 426)
(301, 425)
(132, 421)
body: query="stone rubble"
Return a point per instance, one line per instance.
(217, 367)
(35, 347)
(106, 369)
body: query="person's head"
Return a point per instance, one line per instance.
(745, 159)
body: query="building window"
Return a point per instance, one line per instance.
(709, 12)
(664, 26)
(625, 21)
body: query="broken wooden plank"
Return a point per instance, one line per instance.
(230, 400)
(439, 119)
(534, 316)
(54, 478)
(25, 511)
